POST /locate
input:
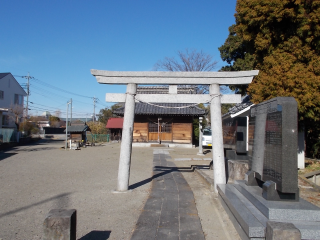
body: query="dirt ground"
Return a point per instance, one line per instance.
(35, 179)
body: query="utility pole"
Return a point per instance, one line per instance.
(66, 146)
(71, 112)
(94, 108)
(28, 91)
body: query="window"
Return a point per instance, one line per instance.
(5, 120)
(18, 99)
(1, 94)
(153, 127)
(207, 132)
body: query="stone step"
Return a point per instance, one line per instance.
(276, 210)
(246, 223)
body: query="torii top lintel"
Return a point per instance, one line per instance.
(178, 78)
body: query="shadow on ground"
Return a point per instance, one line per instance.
(6, 155)
(166, 170)
(96, 235)
(59, 198)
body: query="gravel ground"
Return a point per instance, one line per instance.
(35, 179)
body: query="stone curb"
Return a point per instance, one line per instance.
(304, 179)
(206, 178)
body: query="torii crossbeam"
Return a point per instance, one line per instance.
(213, 79)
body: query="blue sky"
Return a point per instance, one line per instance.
(59, 41)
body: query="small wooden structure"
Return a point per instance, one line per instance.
(78, 133)
(114, 126)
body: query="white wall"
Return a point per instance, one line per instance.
(10, 87)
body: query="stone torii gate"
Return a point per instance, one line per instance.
(213, 79)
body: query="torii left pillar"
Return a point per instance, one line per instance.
(126, 143)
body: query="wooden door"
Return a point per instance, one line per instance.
(166, 132)
(182, 132)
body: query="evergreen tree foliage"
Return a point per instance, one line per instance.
(281, 38)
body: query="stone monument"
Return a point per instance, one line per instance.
(274, 150)
(269, 196)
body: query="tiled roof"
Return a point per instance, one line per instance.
(115, 123)
(2, 75)
(239, 106)
(78, 128)
(165, 109)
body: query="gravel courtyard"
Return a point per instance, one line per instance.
(37, 178)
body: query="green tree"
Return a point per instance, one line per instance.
(97, 127)
(281, 38)
(107, 113)
(54, 121)
(225, 107)
(235, 51)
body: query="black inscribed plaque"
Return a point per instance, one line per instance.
(272, 167)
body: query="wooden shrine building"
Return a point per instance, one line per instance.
(163, 122)
(174, 121)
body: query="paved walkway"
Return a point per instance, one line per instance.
(170, 211)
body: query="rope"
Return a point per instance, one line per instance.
(188, 106)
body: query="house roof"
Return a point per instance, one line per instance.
(83, 120)
(114, 123)
(178, 109)
(2, 75)
(239, 107)
(78, 128)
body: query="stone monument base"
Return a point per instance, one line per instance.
(250, 212)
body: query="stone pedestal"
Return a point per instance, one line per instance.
(237, 170)
(60, 224)
(250, 212)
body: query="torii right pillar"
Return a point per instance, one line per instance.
(217, 137)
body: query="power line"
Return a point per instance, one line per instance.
(59, 89)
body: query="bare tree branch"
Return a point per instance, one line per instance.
(15, 113)
(188, 61)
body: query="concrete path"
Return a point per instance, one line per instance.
(170, 211)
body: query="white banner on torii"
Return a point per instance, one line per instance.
(213, 79)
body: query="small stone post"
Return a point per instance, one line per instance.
(126, 143)
(200, 137)
(282, 230)
(60, 224)
(219, 171)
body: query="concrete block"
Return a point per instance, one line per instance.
(60, 224)
(282, 230)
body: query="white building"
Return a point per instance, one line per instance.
(11, 100)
